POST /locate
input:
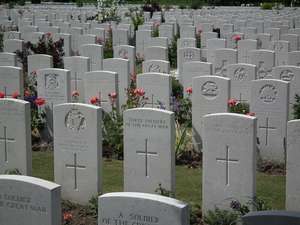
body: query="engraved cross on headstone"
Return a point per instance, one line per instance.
(100, 99)
(159, 104)
(147, 154)
(227, 162)
(267, 127)
(75, 167)
(241, 100)
(6, 141)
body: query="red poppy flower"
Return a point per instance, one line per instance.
(68, 216)
(75, 93)
(236, 37)
(189, 90)
(27, 93)
(15, 94)
(139, 92)
(2, 94)
(232, 102)
(112, 95)
(39, 101)
(94, 100)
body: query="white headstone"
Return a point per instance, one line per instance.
(264, 61)
(95, 53)
(102, 84)
(78, 150)
(15, 136)
(229, 159)
(141, 208)
(149, 156)
(293, 166)
(28, 199)
(269, 102)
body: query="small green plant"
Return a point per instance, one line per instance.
(196, 214)
(266, 6)
(137, 18)
(172, 51)
(108, 47)
(113, 133)
(296, 107)
(236, 106)
(79, 3)
(196, 4)
(221, 217)
(164, 192)
(92, 207)
(1, 41)
(13, 172)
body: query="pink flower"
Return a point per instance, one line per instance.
(232, 102)
(33, 73)
(40, 101)
(113, 95)
(2, 94)
(75, 93)
(27, 93)
(48, 34)
(94, 100)
(139, 92)
(15, 94)
(250, 114)
(236, 38)
(189, 90)
(68, 216)
(99, 40)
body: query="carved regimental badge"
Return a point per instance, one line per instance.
(268, 93)
(209, 89)
(287, 75)
(75, 120)
(240, 74)
(51, 81)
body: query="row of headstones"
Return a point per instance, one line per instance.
(229, 141)
(269, 99)
(36, 201)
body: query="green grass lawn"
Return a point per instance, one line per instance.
(188, 181)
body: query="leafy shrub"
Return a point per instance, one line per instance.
(266, 6)
(296, 107)
(196, 4)
(47, 46)
(172, 52)
(151, 6)
(79, 3)
(221, 217)
(36, 1)
(108, 46)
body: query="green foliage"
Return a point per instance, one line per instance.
(108, 47)
(221, 217)
(113, 133)
(236, 106)
(267, 6)
(79, 3)
(183, 139)
(137, 18)
(296, 107)
(92, 207)
(196, 4)
(47, 46)
(182, 6)
(155, 32)
(164, 192)
(1, 41)
(13, 172)
(36, 1)
(177, 88)
(196, 214)
(172, 51)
